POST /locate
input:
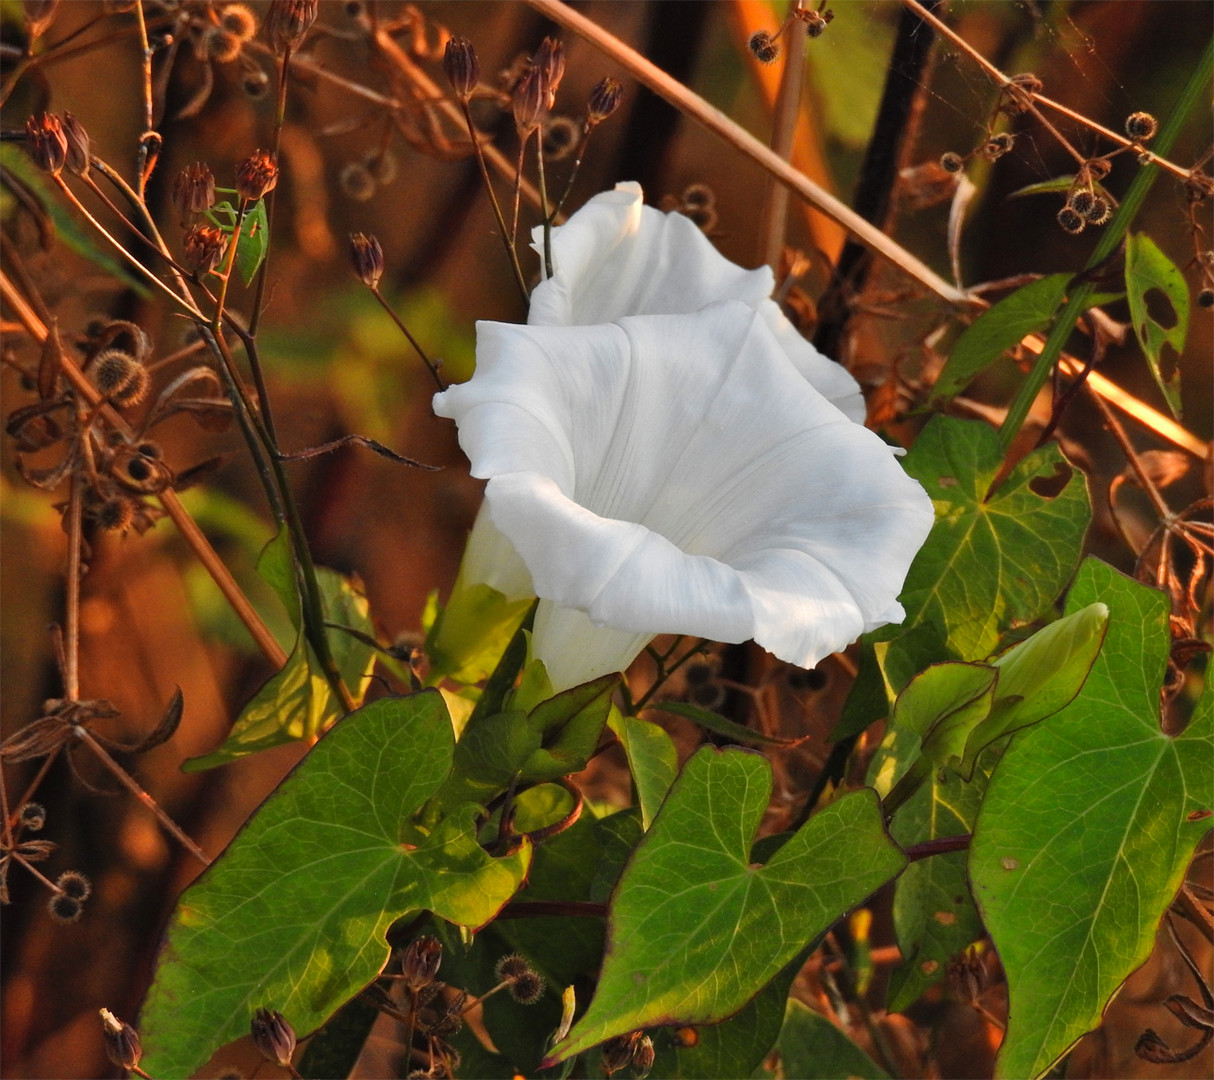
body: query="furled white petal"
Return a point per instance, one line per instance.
(617, 257)
(676, 474)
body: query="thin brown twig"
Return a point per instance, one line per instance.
(127, 781)
(1003, 81)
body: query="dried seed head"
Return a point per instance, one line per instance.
(220, 45)
(149, 450)
(461, 67)
(530, 101)
(116, 513)
(118, 374)
(549, 61)
(381, 166)
(643, 1055)
(998, 145)
(527, 989)
(604, 100)
(122, 1044)
(273, 1036)
(194, 190)
(1205, 298)
(368, 258)
(705, 217)
(421, 961)
(239, 20)
(288, 22)
(74, 884)
(1071, 220)
(256, 175)
(32, 816)
(764, 47)
(77, 145)
(46, 143)
(510, 967)
(255, 82)
(698, 197)
(1099, 212)
(64, 909)
(816, 21)
(356, 181)
(560, 136)
(137, 473)
(1141, 126)
(203, 246)
(952, 162)
(1081, 201)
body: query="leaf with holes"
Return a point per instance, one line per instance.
(990, 563)
(1151, 277)
(694, 929)
(292, 915)
(1086, 830)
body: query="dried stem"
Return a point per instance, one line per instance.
(717, 122)
(774, 225)
(124, 778)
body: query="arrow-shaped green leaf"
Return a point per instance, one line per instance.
(695, 930)
(292, 915)
(1086, 830)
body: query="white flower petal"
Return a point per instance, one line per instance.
(675, 474)
(617, 257)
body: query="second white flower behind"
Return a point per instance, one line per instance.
(678, 474)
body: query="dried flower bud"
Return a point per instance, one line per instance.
(1071, 220)
(549, 61)
(1141, 126)
(381, 166)
(698, 197)
(368, 259)
(952, 162)
(560, 136)
(46, 143)
(77, 145)
(202, 247)
(461, 67)
(617, 1052)
(998, 145)
(604, 100)
(530, 100)
(239, 20)
(288, 22)
(764, 47)
(32, 816)
(122, 1045)
(704, 217)
(119, 376)
(193, 190)
(1205, 298)
(421, 961)
(256, 175)
(643, 1055)
(64, 909)
(39, 14)
(273, 1036)
(74, 884)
